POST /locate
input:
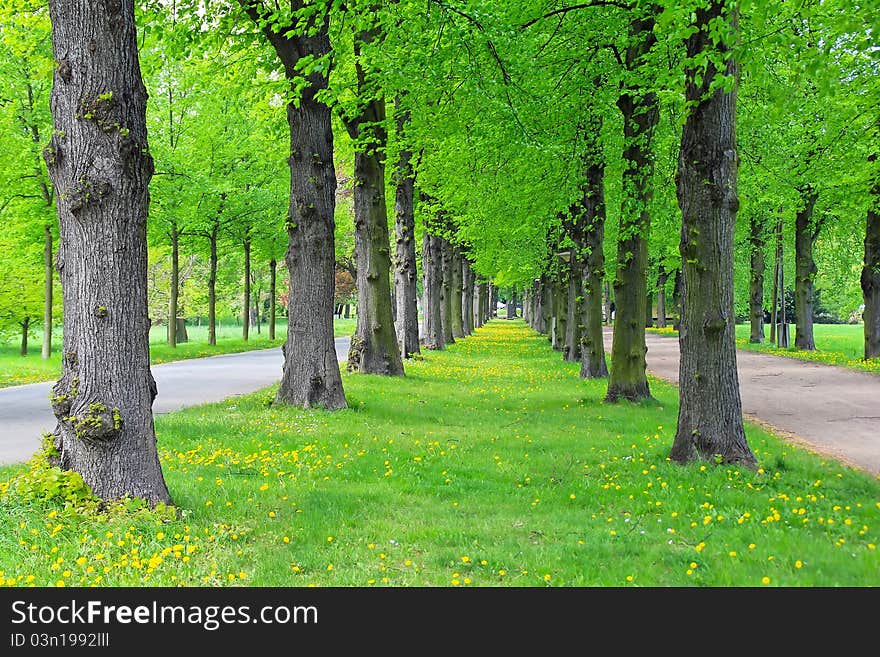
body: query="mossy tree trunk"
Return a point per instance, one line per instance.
(455, 281)
(432, 293)
(98, 160)
(374, 348)
(406, 321)
(807, 228)
(446, 291)
(467, 297)
(870, 278)
(311, 374)
(572, 349)
(628, 379)
(710, 423)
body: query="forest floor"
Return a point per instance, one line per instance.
(491, 463)
(830, 409)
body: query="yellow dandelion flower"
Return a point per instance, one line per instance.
(765, 580)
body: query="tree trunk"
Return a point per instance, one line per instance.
(560, 313)
(676, 299)
(608, 302)
(511, 304)
(547, 307)
(246, 297)
(311, 375)
(456, 282)
(405, 270)
(572, 349)
(806, 231)
(432, 285)
(273, 284)
(649, 311)
(374, 347)
(592, 223)
(25, 327)
(467, 297)
(493, 300)
(777, 265)
(212, 288)
(99, 162)
(446, 291)
(756, 279)
(175, 285)
(48, 275)
(628, 378)
(710, 410)
(538, 305)
(662, 277)
(871, 272)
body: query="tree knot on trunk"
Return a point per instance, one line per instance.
(97, 423)
(63, 394)
(100, 109)
(52, 152)
(86, 191)
(714, 325)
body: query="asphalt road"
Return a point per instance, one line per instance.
(830, 410)
(25, 413)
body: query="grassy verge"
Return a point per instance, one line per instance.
(489, 464)
(17, 370)
(836, 344)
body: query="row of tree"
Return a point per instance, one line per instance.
(515, 133)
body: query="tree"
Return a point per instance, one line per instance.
(374, 348)
(406, 323)
(639, 106)
(710, 411)
(311, 374)
(98, 159)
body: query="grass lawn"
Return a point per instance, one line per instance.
(16, 369)
(490, 464)
(836, 344)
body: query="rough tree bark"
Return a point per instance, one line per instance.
(99, 162)
(212, 284)
(572, 349)
(446, 291)
(467, 296)
(311, 375)
(662, 277)
(406, 322)
(455, 276)
(560, 311)
(512, 304)
(710, 423)
(757, 265)
(586, 228)
(432, 286)
(628, 379)
(871, 272)
(374, 348)
(807, 228)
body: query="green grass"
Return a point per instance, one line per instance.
(17, 370)
(490, 464)
(836, 344)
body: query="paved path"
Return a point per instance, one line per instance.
(831, 410)
(25, 413)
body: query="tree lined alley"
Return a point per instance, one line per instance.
(702, 163)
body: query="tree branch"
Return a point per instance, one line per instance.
(584, 5)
